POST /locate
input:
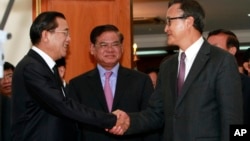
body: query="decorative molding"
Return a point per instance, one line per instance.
(38, 7)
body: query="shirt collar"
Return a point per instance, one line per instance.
(114, 70)
(192, 51)
(50, 62)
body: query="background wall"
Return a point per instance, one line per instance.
(18, 24)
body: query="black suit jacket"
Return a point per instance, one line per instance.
(246, 97)
(133, 90)
(40, 111)
(210, 101)
(5, 117)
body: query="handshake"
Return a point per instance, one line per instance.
(122, 123)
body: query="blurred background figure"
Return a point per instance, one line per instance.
(246, 62)
(5, 101)
(228, 41)
(153, 74)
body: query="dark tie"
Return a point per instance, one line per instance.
(108, 91)
(181, 75)
(58, 79)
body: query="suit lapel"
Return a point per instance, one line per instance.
(95, 83)
(121, 83)
(198, 64)
(37, 57)
(173, 77)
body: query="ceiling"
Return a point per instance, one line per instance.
(227, 14)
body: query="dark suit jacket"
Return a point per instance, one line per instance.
(246, 97)
(133, 90)
(5, 117)
(40, 111)
(211, 99)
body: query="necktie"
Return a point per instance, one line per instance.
(58, 79)
(108, 91)
(181, 75)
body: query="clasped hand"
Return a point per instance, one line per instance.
(122, 123)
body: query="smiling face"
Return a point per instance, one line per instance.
(55, 42)
(59, 39)
(107, 50)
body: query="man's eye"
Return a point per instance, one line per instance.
(103, 45)
(115, 45)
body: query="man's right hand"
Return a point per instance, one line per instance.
(122, 123)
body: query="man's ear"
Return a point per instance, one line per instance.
(45, 36)
(190, 21)
(232, 50)
(92, 49)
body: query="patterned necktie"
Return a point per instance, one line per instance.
(108, 91)
(181, 75)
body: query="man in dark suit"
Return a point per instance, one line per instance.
(41, 110)
(210, 99)
(228, 41)
(5, 101)
(130, 89)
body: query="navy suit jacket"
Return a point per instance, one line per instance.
(40, 111)
(210, 101)
(133, 90)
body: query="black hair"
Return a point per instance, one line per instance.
(61, 62)
(152, 69)
(98, 30)
(246, 55)
(7, 66)
(44, 21)
(232, 39)
(194, 9)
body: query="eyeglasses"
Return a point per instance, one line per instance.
(65, 32)
(105, 45)
(168, 20)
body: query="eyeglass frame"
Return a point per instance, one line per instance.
(105, 45)
(65, 32)
(168, 19)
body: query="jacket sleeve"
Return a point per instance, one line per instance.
(41, 85)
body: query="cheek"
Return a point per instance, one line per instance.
(178, 28)
(97, 54)
(119, 54)
(119, 51)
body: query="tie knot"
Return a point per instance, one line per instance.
(183, 56)
(108, 74)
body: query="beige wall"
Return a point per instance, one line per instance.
(18, 25)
